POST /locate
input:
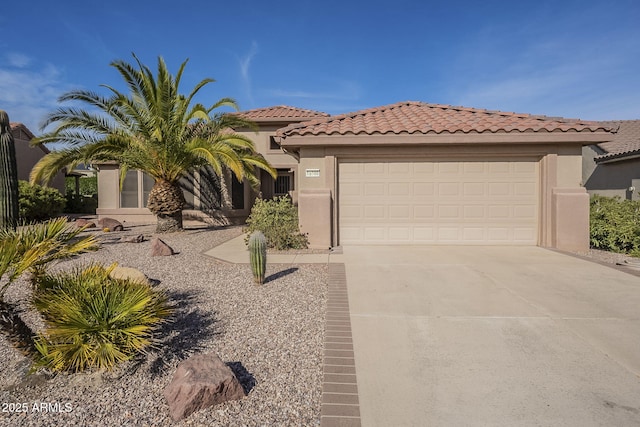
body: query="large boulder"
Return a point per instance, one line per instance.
(111, 224)
(129, 273)
(160, 248)
(201, 381)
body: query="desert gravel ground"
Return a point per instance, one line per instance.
(271, 336)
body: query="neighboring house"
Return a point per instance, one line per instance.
(416, 173)
(205, 196)
(613, 168)
(27, 156)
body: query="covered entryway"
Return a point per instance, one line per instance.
(439, 201)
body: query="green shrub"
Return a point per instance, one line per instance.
(77, 203)
(615, 224)
(277, 219)
(88, 185)
(93, 320)
(37, 203)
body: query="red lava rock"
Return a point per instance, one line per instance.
(160, 248)
(201, 381)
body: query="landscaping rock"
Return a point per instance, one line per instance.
(129, 273)
(80, 222)
(133, 239)
(201, 381)
(111, 224)
(160, 248)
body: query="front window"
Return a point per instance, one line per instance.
(284, 183)
(147, 185)
(129, 192)
(237, 193)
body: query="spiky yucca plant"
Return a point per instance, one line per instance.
(29, 249)
(94, 320)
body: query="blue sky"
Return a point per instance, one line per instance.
(575, 59)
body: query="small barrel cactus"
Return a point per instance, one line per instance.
(258, 256)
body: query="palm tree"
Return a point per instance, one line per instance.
(155, 129)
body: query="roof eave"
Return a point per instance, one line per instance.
(620, 157)
(572, 138)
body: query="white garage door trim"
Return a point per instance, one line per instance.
(483, 202)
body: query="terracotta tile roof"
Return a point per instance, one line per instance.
(626, 140)
(281, 113)
(422, 118)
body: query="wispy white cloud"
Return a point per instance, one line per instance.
(585, 76)
(18, 60)
(340, 97)
(245, 66)
(29, 93)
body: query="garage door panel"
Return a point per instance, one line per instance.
(449, 189)
(423, 188)
(374, 189)
(399, 189)
(446, 202)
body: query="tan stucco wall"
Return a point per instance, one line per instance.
(561, 169)
(277, 158)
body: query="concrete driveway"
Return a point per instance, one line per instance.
(499, 336)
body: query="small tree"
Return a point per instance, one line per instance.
(8, 175)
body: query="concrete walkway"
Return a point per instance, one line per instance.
(235, 251)
(499, 336)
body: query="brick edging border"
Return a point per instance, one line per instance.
(340, 402)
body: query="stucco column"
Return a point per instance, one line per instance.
(570, 221)
(314, 212)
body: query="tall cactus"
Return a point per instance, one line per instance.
(258, 256)
(8, 175)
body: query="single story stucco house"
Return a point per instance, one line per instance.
(613, 168)
(411, 173)
(27, 156)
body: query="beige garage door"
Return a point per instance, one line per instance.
(438, 202)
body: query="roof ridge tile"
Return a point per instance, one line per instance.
(416, 116)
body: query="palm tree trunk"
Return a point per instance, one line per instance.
(166, 201)
(169, 223)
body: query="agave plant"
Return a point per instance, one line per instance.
(29, 249)
(94, 320)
